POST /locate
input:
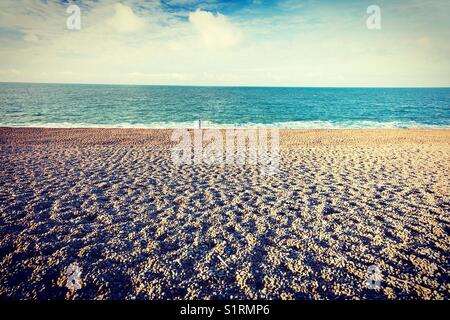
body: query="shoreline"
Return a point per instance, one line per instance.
(279, 126)
(141, 226)
(432, 127)
(153, 137)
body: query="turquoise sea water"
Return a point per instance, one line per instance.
(70, 105)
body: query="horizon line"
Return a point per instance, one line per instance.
(229, 86)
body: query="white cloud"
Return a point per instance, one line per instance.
(125, 20)
(139, 42)
(30, 37)
(215, 31)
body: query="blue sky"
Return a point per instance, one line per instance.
(209, 42)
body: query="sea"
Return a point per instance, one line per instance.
(142, 106)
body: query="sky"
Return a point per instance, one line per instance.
(227, 43)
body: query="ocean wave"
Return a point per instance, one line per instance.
(361, 124)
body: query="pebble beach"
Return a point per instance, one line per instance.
(140, 226)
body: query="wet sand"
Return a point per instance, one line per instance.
(140, 226)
